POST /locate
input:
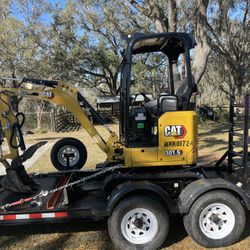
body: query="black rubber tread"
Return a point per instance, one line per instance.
(191, 220)
(72, 142)
(114, 222)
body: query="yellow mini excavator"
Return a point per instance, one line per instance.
(157, 133)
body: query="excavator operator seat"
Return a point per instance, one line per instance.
(167, 103)
(184, 93)
(163, 104)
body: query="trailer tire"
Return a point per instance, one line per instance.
(216, 219)
(72, 146)
(138, 222)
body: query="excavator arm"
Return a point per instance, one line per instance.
(58, 93)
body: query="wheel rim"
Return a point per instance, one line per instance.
(139, 226)
(217, 221)
(68, 150)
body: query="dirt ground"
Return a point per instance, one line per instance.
(84, 235)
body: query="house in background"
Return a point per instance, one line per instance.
(109, 106)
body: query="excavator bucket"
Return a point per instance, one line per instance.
(16, 179)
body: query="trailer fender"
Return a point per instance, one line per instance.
(197, 188)
(143, 188)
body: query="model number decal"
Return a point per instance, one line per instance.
(177, 131)
(184, 143)
(176, 152)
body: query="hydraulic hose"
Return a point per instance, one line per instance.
(17, 127)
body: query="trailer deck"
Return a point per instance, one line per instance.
(71, 203)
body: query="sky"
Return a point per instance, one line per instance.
(16, 12)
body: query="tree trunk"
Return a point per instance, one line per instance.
(172, 16)
(202, 49)
(39, 114)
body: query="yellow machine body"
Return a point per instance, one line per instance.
(176, 131)
(177, 143)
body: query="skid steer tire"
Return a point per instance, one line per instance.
(140, 223)
(70, 146)
(216, 219)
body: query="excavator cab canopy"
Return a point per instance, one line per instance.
(172, 45)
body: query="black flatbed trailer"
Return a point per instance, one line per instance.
(95, 199)
(113, 191)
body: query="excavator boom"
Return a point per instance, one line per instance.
(58, 93)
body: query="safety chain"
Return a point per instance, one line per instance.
(45, 193)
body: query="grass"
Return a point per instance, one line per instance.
(95, 154)
(81, 235)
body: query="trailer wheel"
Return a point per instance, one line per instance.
(216, 219)
(71, 147)
(138, 222)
